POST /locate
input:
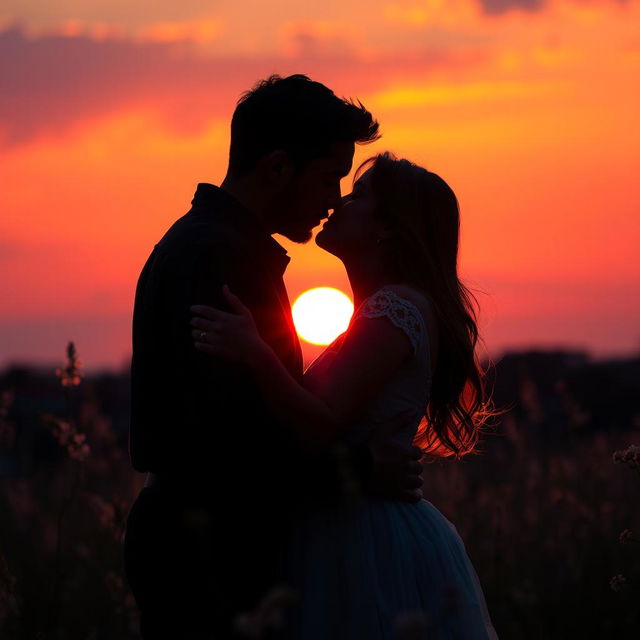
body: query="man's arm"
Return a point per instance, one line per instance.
(208, 395)
(316, 414)
(369, 356)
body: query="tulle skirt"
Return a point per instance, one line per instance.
(382, 570)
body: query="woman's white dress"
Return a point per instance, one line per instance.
(371, 567)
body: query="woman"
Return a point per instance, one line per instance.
(409, 349)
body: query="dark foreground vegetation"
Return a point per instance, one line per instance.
(550, 515)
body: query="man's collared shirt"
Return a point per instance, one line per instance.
(191, 411)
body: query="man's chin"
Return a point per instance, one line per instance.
(324, 243)
(299, 236)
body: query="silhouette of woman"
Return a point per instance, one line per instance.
(409, 349)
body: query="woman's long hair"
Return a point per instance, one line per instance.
(423, 219)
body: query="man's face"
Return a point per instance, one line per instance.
(313, 192)
(355, 227)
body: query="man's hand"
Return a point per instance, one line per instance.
(396, 471)
(231, 336)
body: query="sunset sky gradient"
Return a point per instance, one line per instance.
(111, 113)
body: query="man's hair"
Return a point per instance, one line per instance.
(298, 115)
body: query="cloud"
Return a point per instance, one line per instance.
(51, 83)
(497, 7)
(123, 12)
(202, 31)
(313, 39)
(102, 340)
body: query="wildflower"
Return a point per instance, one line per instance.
(77, 448)
(114, 582)
(625, 536)
(59, 428)
(630, 456)
(6, 400)
(70, 375)
(68, 437)
(104, 511)
(9, 601)
(7, 428)
(267, 615)
(80, 453)
(618, 583)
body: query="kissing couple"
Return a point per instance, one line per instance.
(281, 502)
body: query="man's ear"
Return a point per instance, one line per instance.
(276, 169)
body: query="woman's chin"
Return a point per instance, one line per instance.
(319, 239)
(323, 240)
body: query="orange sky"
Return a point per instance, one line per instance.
(110, 116)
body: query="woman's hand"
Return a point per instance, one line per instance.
(231, 336)
(396, 472)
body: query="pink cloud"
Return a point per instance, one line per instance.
(52, 82)
(497, 7)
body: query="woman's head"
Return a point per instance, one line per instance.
(401, 215)
(405, 220)
(354, 230)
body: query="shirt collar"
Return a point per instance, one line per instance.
(210, 196)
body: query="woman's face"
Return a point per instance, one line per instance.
(353, 227)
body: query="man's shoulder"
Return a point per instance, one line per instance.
(203, 231)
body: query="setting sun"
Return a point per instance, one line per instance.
(321, 314)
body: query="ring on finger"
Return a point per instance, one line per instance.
(203, 335)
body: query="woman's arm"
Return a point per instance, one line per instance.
(371, 351)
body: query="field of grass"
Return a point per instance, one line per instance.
(541, 508)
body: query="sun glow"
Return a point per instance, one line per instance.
(320, 315)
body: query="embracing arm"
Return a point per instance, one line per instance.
(311, 418)
(370, 353)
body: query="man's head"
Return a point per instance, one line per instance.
(293, 140)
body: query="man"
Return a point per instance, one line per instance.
(225, 478)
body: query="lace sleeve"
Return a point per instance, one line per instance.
(402, 312)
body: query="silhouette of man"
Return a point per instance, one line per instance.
(224, 478)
